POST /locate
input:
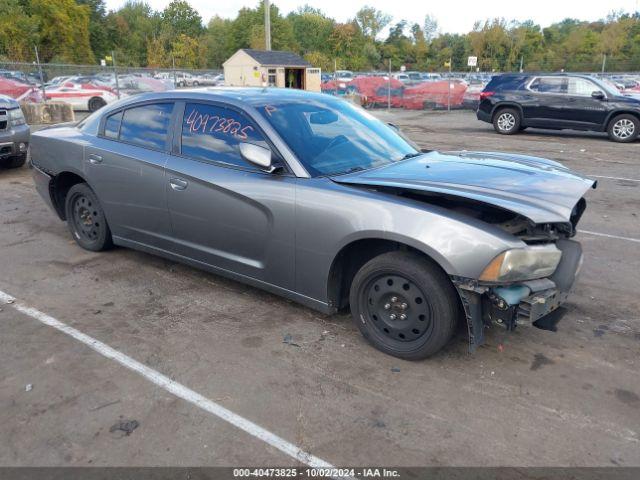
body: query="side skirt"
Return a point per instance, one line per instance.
(283, 292)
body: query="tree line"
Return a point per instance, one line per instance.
(83, 32)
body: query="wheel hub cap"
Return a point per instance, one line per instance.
(506, 121)
(623, 128)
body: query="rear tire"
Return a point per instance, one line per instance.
(404, 305)
(624, 128)
(507, 121)
(96, 103)
(86, 220)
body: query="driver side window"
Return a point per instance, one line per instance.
(214, 133)
(581, 87)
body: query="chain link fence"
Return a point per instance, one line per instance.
(410, 90)
(37, 82)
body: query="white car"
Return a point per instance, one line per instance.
(81, 96)
(343, 75)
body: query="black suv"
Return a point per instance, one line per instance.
(513, 102)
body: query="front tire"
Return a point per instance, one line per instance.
(404, 305)
(507, 121)
(15, 162)
(86, 220)
(624, 128)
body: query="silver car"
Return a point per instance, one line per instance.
(312, 198)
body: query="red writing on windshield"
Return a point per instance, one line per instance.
(208, 124)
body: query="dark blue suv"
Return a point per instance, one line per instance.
(513, 102)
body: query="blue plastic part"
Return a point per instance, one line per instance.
(512, 294)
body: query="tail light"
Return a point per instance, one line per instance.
(484, 95)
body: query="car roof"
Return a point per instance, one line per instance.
(544, 74)
(234, 95)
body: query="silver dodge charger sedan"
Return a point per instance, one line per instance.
(310, 197)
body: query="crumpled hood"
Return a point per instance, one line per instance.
(542, 190)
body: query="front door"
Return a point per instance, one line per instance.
(226, 212)
(125, 167)
(583, 110)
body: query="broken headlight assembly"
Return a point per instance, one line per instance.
(520, 264)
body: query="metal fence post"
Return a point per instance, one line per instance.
(115, 71)
(389, 87)
(44, 92)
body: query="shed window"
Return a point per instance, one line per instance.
(272, 77)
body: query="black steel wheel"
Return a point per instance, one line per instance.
(86, 219)
(404, 305)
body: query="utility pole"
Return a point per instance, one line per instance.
(521, 63)
(604, 61)
(44, 93)
(267, 25)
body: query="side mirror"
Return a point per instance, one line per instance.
(597, 95)
(260, 156)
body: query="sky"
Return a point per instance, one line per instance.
(454, 16)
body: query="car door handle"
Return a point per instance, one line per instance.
(178, 183)
(93, 158)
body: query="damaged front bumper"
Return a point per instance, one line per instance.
(518, 303)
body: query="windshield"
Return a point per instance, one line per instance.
(331, 136)
(607, 87)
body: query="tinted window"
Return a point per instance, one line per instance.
(112, 125)
(147, 126)
(549, 85)
(214, 133)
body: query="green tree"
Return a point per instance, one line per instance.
(19, 32)
(63, 28)
(372, 21)
(218, 41)
(98, 34)
(312, 29)
(181, 19)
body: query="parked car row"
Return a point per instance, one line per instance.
(432, 92)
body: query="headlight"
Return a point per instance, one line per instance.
(536, 261)
(16, 117)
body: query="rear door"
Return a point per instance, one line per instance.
(549, 100)
(226, 212)
(125, 167)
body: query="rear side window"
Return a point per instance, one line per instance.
(214, 133)
(506, 82)
(147, 125)
(549, 85)
(112, 125)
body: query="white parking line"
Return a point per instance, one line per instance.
(615, 178)
(171, 386)
(617, 237)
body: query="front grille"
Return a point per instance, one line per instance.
(4, 119)
(5, 150)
